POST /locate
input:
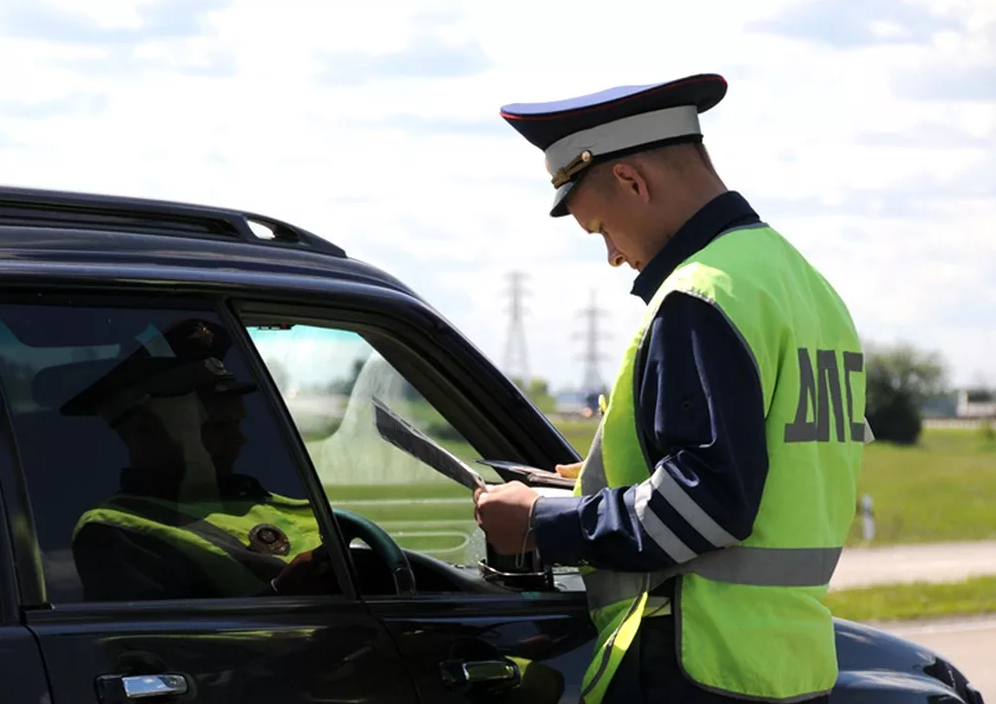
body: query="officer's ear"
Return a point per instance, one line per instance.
(631, 178)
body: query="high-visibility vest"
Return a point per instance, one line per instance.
(217, 536)
(750, 621)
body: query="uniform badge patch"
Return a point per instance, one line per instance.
(267, 538)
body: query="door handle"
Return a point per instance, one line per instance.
(118, 689)
(463, 674)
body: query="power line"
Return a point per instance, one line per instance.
(516, 360)
(592, 380)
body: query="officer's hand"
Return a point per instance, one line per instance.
(569, 470)
(309, 573)
(503, 514)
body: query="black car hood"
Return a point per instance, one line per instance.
(876, 666)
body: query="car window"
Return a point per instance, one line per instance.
(331, 379)
(154, 468)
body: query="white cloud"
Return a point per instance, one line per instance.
(836, 145)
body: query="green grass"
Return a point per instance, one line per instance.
(578, 433)
(943, 489)
(914, 601)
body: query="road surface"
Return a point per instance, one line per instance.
(967, 643)
(944, 562)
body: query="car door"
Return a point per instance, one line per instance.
(503, 631)
(124, 615)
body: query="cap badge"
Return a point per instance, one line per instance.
(572, 168)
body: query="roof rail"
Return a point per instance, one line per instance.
(30, 207)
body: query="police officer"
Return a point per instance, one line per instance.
(713, 504)
(184, 524)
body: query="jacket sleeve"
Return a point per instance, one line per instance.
(700, 410)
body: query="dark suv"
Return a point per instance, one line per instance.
(396, 598)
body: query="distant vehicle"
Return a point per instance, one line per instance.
(422, 612)
(576, 403)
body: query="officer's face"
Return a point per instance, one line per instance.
(613, 208)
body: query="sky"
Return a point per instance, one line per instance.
(865, 132)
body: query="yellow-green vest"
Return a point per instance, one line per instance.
(750, 620)
(216, 535)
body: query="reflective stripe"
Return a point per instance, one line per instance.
(655, 528)
(772, 567)
(605, 587)
(593, 480)
(685, 505)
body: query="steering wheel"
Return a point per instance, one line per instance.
(383, 545)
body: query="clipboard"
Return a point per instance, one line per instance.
(531, 476)
(407, 438)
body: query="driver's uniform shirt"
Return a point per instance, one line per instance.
(115, 563)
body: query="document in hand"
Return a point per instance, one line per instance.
(529, 475)
(410, 439)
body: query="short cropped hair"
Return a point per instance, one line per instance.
(677, 157)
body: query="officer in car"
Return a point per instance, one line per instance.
(714, 501)
(184, 524)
